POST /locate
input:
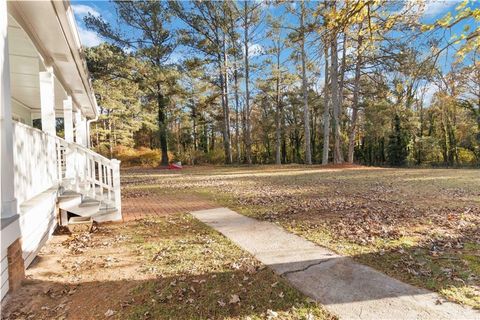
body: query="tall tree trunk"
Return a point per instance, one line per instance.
(306, 112)
(110, 135)
(237, 115)
(326, 112)
(337, 152)
(248, 141)
(194, 126)
(283, 135)
(162, 127)
(278, 114)
(342, 73)
(356, 89)
(226, 122)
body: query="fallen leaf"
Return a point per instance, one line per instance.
(271, 314)
(109, 313)
(234, 299)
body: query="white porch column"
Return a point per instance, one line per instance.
(79, 128)
(7, 189)
(47, 101)
(68, 129)
(68, 119)
(84, 130)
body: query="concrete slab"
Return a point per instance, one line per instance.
(346, 288)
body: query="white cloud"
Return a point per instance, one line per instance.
(430, 90)
(88, 38)
(427, 8)
(436, 7)
(82, 10)
(255, 49)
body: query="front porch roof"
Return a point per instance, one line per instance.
(51, 27)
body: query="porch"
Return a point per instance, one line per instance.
(48, 173)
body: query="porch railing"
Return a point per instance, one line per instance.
(42, 161)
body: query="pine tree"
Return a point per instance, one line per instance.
(397, 144)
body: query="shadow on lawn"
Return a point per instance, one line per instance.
(208, 296)
(211, 296)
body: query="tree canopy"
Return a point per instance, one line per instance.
(367, 81)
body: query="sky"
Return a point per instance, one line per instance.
(434, 10)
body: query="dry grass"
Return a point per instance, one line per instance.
(166, 267)
(418, 225)
(202, 275)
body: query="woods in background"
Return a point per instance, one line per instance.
(287, 82)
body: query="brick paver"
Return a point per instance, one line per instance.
(157, 205)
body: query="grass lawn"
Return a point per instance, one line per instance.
(417, 225)
(202, 275)
(166, 267)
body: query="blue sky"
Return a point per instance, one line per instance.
(434, 10)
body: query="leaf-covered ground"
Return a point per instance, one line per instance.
(418, 225)
(163, 267)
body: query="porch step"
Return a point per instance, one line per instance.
(84, 211)
(89, 202)
(86, 207)
(68, 199)
(111, 214)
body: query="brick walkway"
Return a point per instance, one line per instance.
(157, 205)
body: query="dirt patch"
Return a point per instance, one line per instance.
(77, 277)
(170, 267)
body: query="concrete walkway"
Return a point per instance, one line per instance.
(346, 288)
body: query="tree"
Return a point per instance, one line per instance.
(278, 46)
(221, 100)
(298, 36)
(149, 37)
(397, 144)
(355, 102)
(209, 24)
(117, 97)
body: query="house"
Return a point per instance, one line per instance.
(48, 173)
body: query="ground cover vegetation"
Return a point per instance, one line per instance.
(371, 81)
(418, 225)
(167, 266)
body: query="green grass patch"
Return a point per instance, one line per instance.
(199, 274)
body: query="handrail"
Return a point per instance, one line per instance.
(75, 145)
(75, 166)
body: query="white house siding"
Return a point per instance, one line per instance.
(4, 277)
(21, 113)
(37, 223)
(43, 76)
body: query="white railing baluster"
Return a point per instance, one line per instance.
(59, 160)
(53, 160)
(92, 180)
(109, 182)
(100, 177)
(116, 185)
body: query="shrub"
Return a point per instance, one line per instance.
(466, 156)
(197, 157)
(144, 157)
